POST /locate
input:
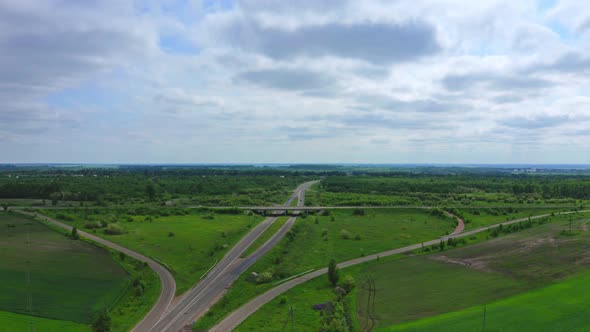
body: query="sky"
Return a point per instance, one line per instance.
(308, 81)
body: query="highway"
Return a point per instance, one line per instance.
(168, 285)
(197, 300)
(237, 317)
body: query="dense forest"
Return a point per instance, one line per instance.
(260, 185)
(546, 186)
(208, 186)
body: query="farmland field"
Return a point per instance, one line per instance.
(11, 322)
(188, 243)
(69, 280)
(559, 307)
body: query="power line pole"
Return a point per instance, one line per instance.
(289, 318)
(29, 288)
(484, 318)
(292, 318)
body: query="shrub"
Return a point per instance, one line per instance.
(345, 234)
(324, 232)
(170, 234)
(94, 224)
(264, 277)
(114, 229)
(333, 273)
(348, 283)
(357, 237)
(358, 212)
(283, 300)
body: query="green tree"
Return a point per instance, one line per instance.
(102, 323)
(335, 321)
(74, 234)
(150, 191)
(333, 273)
(348, 283)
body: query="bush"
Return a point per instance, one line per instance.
(348, 283)
(114, 229)
(170, 234)
(264, 277)
(358, 212)
(357, 237)
(283, 300)
(345, 234)
(94, 224)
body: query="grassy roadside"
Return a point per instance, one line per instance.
(268, 233)
(417, 294)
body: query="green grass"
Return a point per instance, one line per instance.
(70, 280)
(268, 233)
(132, 307)
(379, 230)
(560, 307)
(187, 244)
(314, 244)
(410, 288)
(272, 315)
(10, 322)
(478, 274)
(478, 217)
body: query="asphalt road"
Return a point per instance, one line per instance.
(237, 317)
(197, 300)
(168, 284)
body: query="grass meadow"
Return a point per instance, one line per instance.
(69, 280)
(188, 244)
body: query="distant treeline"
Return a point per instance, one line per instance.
(545, 186)
(145, 184)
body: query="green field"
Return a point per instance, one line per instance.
(478, 217)
(311, 245)
(188, 244)
(11, 322)
(560, 307)
(69, 280)
(410, 288)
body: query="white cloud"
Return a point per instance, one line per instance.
(363, 81)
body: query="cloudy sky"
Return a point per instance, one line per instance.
(445, 81)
